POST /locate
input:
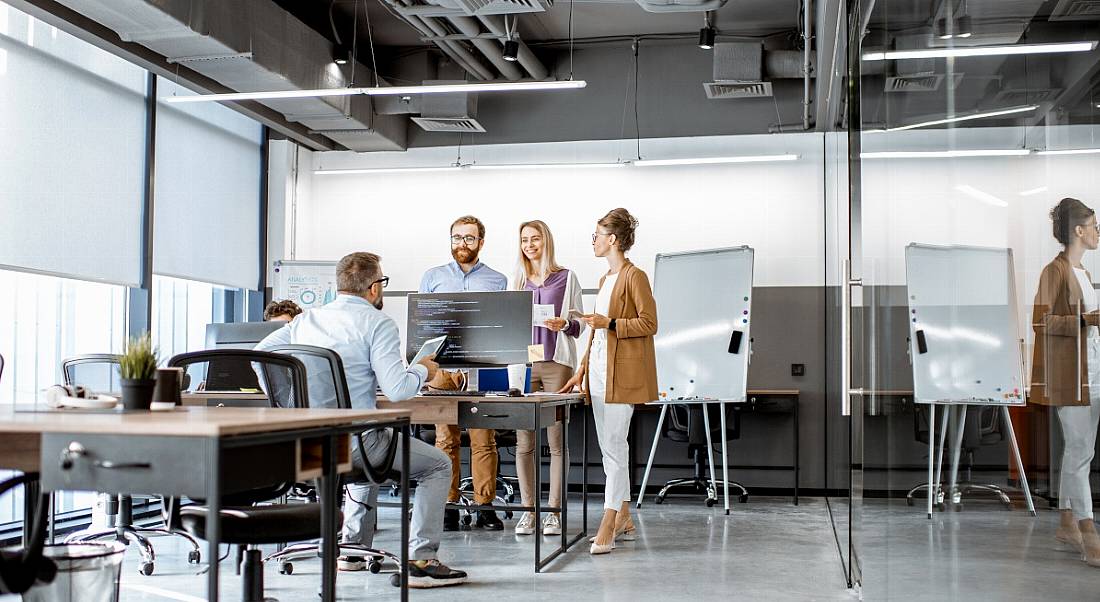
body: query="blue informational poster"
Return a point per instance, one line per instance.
(307, 283)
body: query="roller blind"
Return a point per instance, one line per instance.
(207, 192)
(72, 153)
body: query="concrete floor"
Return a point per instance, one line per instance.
(767, 549)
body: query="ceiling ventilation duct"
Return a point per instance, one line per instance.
(921, 82)
(744, 70)
(680, 6)
(448, 112)
(473, 8)
(251, 46)
(1076, 10)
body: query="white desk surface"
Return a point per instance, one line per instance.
(188, 421)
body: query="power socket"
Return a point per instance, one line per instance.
(545, 451)
(798, 369)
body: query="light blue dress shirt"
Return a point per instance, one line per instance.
(449, 278)
(367, 341)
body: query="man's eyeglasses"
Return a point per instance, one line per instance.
(385, 280)
(468, 239)
(596, 235)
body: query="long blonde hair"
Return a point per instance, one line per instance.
(546, 265)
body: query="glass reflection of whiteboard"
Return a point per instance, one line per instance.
(307, 283)
(704, 303)
(963, 328)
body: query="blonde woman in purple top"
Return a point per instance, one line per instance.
(550, 284)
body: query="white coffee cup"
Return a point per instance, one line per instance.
(517, 377)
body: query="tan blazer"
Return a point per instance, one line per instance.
(631, 359)
(1059, 369)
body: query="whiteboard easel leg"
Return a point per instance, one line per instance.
(1019, 461)
(956, 449)
(725, 461)
(710, 450)
(652, 453)
(938, 483)
(931, 448)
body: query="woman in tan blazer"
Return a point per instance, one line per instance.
(619, 368)
(1066, 367)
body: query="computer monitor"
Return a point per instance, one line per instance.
(483, 329)
(235, 375)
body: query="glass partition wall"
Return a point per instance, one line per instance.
(971, 122)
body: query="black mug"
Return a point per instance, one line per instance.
(168, 386)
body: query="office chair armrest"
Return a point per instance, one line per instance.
(378, 474)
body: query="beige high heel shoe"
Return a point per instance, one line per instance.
(1070, 538)
(597, 549)
(625, 535)
(1090, 548)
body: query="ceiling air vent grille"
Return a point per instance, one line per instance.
(448, 124)
(1012, 96)
(914, 83)
(1076, 10)
(485, 7)
(727, 90)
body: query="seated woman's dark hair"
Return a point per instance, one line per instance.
(1067, 215)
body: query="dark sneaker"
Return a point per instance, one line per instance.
(450, 520)
(487, 519)
(424, 574)
(351, 563)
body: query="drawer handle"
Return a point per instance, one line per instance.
(494, 415)
(77, 450)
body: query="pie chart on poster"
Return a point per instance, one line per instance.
(308, 297)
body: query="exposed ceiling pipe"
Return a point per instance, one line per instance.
(490, 48)
(430, 28)
(530, 62)
(806, 5)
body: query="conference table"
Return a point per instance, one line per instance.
(199, 452)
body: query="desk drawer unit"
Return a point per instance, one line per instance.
(157, 465)
(506, 416)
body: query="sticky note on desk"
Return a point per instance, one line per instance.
(536, 353)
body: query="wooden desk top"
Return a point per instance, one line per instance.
(188, 421)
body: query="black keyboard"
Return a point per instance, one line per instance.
(433, 393)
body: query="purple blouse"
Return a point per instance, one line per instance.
(552, 291)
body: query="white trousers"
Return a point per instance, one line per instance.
(1079, 433)
(612, 427)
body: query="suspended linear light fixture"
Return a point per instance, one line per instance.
(568, 84)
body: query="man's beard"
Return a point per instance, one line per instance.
(464, 254)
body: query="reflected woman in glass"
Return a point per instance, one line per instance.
(1066, 367)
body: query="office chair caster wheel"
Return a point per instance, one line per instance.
(908, 501)
(374, 566)
(286, 568)
(193, 557)
(958, 507)
(395, 580)
(710, 502)
(508, 515)
(940, 506)
(466, 520)
(510, 498)
(146, 568)
(743, 499)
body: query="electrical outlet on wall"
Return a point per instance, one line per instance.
(798, 369)
(545, 451)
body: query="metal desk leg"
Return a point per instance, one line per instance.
(406, 440)
(956, 451)
(939, 453)
(710, 451)
(213, 517)
(1019, 461)
(931, 450)
(652, 453)
(329, 500)
(725, 460)
(584, 471)
(538, 488)
(797, 431)
(566, 419)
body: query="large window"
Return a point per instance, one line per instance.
(181, 311)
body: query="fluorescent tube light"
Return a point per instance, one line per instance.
(1070, 151)
(569, 84)
(981, 195)
(1033, 191)
(968, 117)
(964, 51)
(953, 154)
(477, 166)
(715, 160)
(371, 170)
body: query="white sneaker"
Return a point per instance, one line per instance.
(526, 524)
(551, 525)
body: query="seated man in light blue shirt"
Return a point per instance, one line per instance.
(369, 344)
(463, 274)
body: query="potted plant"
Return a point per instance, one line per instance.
(138, 369)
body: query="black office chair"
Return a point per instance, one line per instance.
(983, 427)
(328, 388)
(99, 372)
(21, 568)
(242, 522)
(685, 424)
(504, 439)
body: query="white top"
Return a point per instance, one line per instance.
(603, 304)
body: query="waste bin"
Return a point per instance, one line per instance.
(86, 572)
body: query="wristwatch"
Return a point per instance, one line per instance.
(611, 325)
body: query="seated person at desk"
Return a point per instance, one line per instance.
(368, 342)
(281, 311)
(463, 274)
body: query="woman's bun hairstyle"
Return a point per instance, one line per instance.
(1067, 215)
(620, 223)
